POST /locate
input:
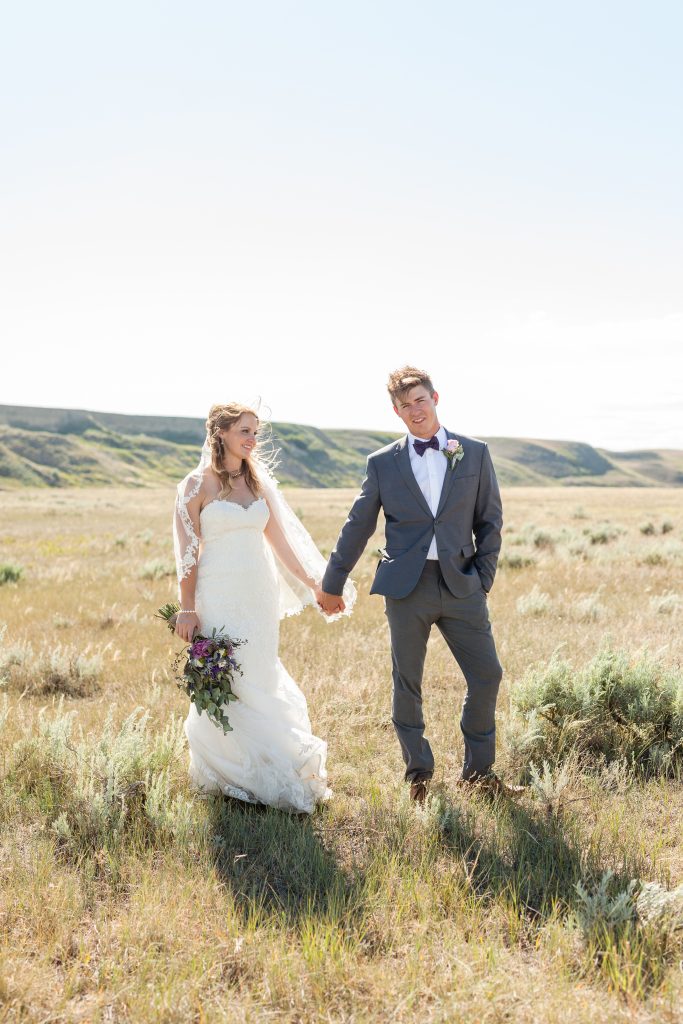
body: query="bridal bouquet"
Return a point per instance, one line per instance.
(205, 670)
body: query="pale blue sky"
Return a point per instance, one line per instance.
(223, 200)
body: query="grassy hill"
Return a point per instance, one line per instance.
(64, 447)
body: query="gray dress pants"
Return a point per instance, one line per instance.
(464, 625)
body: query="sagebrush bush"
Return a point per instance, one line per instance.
(101, 791)
(673, 549)
(647, 529)
(516, 561)
(534, 603)
(62, 621)
(631, 930)
(156, 570)
(542, 539)
(548, 785)
(667, 526)
(514, 540)
(615, 707)
(56, 668)
(603, 909)
(10, 573)
(604, 533)
(579, 548)
(667, 603)
(588, 609)
(654, 557)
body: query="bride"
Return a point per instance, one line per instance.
(244, 561)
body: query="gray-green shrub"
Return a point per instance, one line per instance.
(667, 603)
(587, 609)
(535, 603)
(616, 706)
(542, 539)
(603, 533)
(101, 791)
(55, 668)
(516, 561)
(653, 558)
(10, 573)
(156, 570)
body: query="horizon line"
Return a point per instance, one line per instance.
(382, 430)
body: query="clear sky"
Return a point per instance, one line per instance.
(288, 199)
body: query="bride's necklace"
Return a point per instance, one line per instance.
(235, 476)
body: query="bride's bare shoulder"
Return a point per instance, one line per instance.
(200, 488)
(210, 480)
(210, 487)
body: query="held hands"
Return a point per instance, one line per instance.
(330, 603)
(187, 624)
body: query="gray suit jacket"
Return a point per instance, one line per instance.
(469, 510)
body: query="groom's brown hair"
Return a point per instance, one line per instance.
(404, 379)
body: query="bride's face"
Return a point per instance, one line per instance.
(239, 440)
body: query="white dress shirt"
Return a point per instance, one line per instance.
(430, 471)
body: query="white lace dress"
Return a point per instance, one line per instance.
(271, 756)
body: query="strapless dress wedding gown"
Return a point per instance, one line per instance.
(271, 756)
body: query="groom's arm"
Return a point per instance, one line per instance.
(488, 522)
(355, 533)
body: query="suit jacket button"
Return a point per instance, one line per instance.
(425, 547)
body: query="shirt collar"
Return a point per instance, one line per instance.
(440, 435)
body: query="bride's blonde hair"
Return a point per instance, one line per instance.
(222, 417)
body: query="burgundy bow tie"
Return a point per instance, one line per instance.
(422, 446)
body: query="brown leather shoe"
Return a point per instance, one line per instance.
(419, 790)
(491, 785)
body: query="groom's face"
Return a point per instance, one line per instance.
(417, 409)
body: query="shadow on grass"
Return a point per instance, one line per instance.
(531, 858)
(275, 861)
(514, 855)
(278, 861)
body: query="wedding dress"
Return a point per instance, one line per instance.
(271, 756)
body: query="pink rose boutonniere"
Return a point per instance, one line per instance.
(453, 451)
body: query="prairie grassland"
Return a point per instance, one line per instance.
(126, 898)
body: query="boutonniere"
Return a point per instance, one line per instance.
(453, 451)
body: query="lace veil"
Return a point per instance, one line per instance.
(294, 595)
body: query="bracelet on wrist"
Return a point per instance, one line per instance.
(186, 611)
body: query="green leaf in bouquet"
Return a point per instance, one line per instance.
(210, 693)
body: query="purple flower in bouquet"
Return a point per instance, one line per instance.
(206, 670)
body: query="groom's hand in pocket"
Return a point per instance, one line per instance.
(331, 603)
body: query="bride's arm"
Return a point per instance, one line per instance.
(187, 622)
(284, 552)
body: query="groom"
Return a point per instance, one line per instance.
(443, 520)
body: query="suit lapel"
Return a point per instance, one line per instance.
(448, 479)
(402, 455)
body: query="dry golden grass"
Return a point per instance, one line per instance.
(370, 911)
